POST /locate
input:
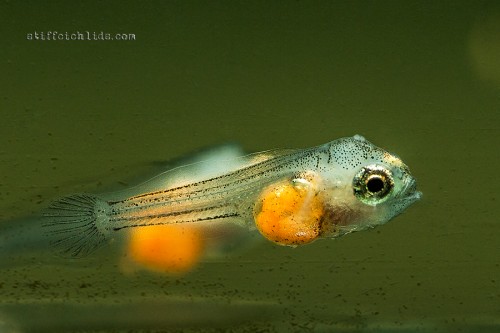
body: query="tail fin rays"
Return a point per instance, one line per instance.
(76, 225)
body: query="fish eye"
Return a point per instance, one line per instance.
(373, 184)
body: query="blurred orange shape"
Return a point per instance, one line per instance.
(166, 248)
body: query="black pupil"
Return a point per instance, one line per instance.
(375, 184)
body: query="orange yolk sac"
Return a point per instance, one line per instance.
(288, 214)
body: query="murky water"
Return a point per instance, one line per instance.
(421, 80)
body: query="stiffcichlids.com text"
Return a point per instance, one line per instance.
(77, 35)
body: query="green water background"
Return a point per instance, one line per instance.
(420, 79)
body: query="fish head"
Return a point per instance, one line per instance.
(366, 185)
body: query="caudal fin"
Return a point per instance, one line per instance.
(77, 225)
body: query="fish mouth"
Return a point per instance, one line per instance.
(409, 194)
(414, 196)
